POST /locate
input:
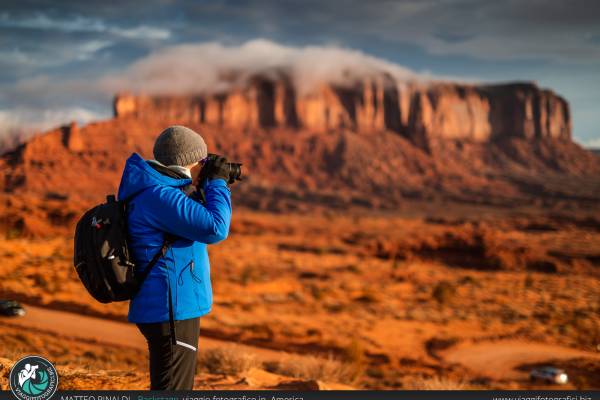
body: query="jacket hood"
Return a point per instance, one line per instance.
(139, 175)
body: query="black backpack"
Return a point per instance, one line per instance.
(101, 255)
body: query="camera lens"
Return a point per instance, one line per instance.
(235, 172)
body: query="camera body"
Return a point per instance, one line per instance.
(235, 169)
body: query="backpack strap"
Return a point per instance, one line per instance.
(163, 250)
(143, 275)
(169, 239)
(172, 318)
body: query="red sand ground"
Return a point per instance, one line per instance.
(391, 302)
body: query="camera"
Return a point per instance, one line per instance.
(235, 169)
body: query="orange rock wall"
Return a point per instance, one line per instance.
(419, 112)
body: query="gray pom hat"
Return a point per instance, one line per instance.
(178, 145)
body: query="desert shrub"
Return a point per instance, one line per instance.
(375, 373)
(398, 261)
(443, 292)
(509, 315)
(13, 352)
(581, 382)
(542, 316)
(436, 344)
(355, 352)
(334, 307)
(355, 355)
(247, 274)
(229, 360)
(436, 383)
(468, 280)
(14, 233)
(317, 292)
(347, 368)
(368, 296)
(315, 368)
(354, 268)
(542, 266)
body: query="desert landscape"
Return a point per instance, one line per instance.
(387, 235)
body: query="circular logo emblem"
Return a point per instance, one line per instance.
(33, 378)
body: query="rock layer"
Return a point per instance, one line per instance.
(419, 112)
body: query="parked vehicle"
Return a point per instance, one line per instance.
(549, 375)
(11, 308)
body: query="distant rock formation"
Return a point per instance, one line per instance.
(377, 144)
(420, 112)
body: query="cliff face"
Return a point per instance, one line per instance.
(530, 111)
(421, 113)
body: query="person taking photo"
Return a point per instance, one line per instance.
(180, 203)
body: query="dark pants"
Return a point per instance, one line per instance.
(172, 367)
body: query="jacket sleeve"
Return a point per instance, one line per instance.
(170, 210)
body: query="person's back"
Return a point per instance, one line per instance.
(163, 205)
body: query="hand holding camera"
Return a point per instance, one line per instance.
(217, 167)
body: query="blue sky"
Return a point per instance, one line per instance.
(56, 56)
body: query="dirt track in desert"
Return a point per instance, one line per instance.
(106, 332)
(500, 359)
(496, 359)
(97, 343)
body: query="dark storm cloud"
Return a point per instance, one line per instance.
(553, 30)
(557, 30)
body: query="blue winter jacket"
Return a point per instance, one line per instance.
(160, 206)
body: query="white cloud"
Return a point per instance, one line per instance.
(82, 24)
(593, 143)
(35, 119)
(19, 123)
(141, 32)
(40, 102)
(52, 56)
(88, 49)
(207, 67)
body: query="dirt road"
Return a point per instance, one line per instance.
(498, 360)
(80, 327)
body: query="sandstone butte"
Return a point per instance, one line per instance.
(376, 144)
(418, 112)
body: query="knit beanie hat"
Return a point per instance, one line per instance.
(178, 145)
